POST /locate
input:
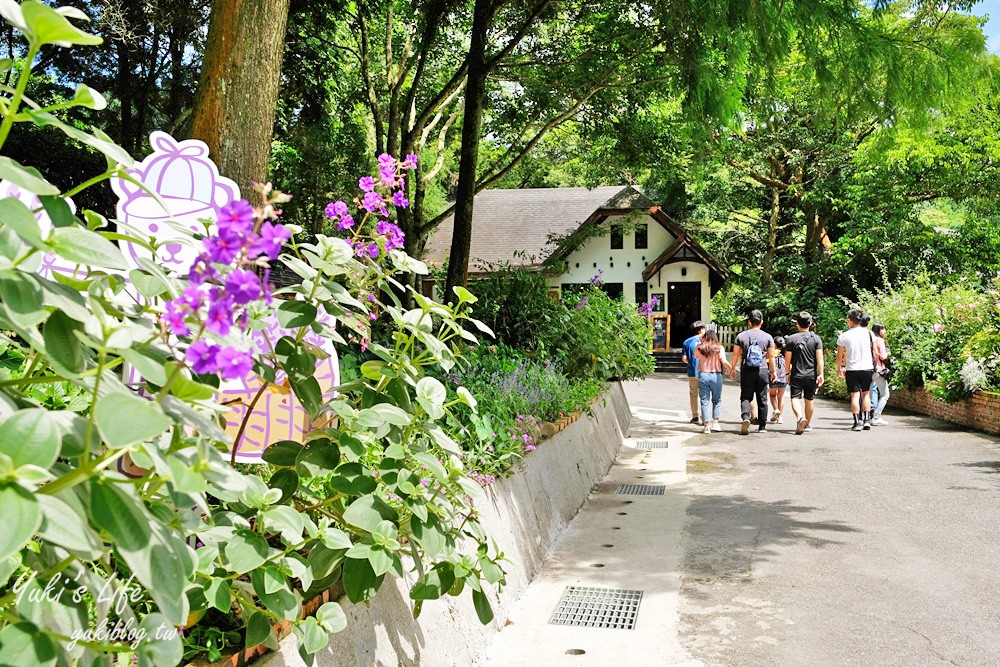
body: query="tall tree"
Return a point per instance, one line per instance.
(237, 94)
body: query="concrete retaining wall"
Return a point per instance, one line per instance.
(526, 514)
(980, 411)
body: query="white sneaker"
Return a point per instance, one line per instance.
(776, 418)
(857, 426)
(781, 420)
(879, 422)
(707, 428)
(717, 427)
(745, 427)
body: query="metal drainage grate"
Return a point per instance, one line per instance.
(612, 608)
(652, 444)
(662, 413)
(639, 490)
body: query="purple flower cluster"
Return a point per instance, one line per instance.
(598, 279)
(218, 292)
(646, 309)
(484, 480)
(389, 188)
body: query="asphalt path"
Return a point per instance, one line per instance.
(838, 547)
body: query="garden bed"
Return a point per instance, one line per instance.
(526, 514)
(980, 411)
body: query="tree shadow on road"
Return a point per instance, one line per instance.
(728, 535)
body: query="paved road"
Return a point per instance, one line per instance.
(835, 547)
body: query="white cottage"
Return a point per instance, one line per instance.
(645, 254)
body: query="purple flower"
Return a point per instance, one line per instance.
(191, 297)
(222, 249)
(272, 237)
(372, 202)
(175, 320)
(201, 356)
(346, 222)
(233, 364)
(367, 183)
(582, 303)
(410, 162)
(399, 199)
(387, 173)
(243, 286)
(236, 216)
(383, 227)
(386, 160)
(220, 317)
(373, 250)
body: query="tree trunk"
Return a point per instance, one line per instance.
(767, 265)
(237, 93)
(475, 95)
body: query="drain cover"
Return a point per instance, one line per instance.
(639, 490)
(662, 413)
(612, 608)
(652, 444)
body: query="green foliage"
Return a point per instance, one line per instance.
(933, 330)
(201, 537)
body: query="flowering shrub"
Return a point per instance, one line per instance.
(934, 332)
(96, 562)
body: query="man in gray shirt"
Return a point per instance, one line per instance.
(753, 354)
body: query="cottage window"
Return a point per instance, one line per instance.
(641, 237)
(617, 241)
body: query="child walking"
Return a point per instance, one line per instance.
(776, 389)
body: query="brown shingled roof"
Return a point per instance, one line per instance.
(510, 221)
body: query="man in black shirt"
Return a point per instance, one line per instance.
(804, 361)
(753, 354)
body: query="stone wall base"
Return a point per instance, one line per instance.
(981, 411)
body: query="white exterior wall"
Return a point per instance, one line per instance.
(696, 272)
(596, 254)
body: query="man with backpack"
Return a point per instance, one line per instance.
(753, 354)
(856, 364)
(804, 361)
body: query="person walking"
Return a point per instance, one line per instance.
(711, 359)
(804, 360)
(776, 389)
(688, 357)
(856, 364)
(753, 354)
(881, 353)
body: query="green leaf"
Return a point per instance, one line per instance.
(360, 580)
(149, 285)
(87, 97)
(308, 392)
(483, 609)
(61, 525)
(287, 481)
(47, 26)
(22, 299)
(160, 560)
(429, 535)
(282, 453)
(63, 347)
(367, 511)
(259, 630)
(26, 178)
(86, 247)
(287, 521)
(376, 370)
(58, 211)
(25, 644)
(219, 595)
(22, 515)
(435, 583)
(300, 569)
(274, 591)
(319, 458)
(17, 216)
(351, 478)
(312, 638)
(464, 295)
(431, 395)
(296, 314)
(443, 440)
(335, 538)
(125, 419)
(332, 617)
(324, 560)
(466, 397)
(246, 551)
(162, 645)
(391, 414)
(149, 364)
(31, 437)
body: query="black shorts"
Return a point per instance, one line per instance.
(804, 388)
(858, 381)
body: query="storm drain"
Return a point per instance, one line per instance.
(652, 444)
(639, 490)
(611, 608)
(662, 413)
